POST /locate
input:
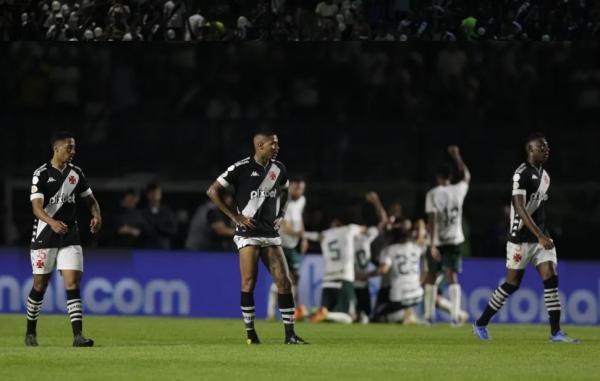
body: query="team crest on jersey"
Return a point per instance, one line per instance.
(39, 264)
(517, 257)
(546, 179)
(272, 175)
(72, 179)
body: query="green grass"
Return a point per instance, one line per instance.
(200, 349)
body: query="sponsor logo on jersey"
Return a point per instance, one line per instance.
(263, 194)
(51, 180)
(516, 177)
(534, 177)
(35, 180)
(254, 173)
(34, 189)
(62, 198)
(537, 196)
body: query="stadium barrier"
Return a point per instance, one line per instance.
(166, 283)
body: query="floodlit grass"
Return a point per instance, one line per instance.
(131, 348)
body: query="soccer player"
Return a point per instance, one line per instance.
(444, 205)
(55, 188)
(362, 247)
(292, 229)
(528, 240)
(401, 260)
(261, 191)
(338, 300)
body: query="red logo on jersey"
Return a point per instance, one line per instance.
(72, 180)
(39, 264)
(272, 175)
(517, 257)
(546, 179)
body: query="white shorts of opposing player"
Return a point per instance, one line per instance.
(518, 256)
(45, 261)
(242, 242)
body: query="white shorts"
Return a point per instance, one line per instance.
(518, 256)
(44, 261)
(241, 242)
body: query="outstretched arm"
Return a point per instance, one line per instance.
(373, 199)
(454, 153)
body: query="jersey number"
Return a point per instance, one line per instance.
(334, 251)
(361, 257)
(406, 266)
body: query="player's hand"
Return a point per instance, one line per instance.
(58, 227)
(372, 197)
(95, 224)
(277, 223)
(546, 242)
(241, 220)
(453, 151)
(361, 275)
(435, 254)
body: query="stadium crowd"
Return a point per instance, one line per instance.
(299, 20)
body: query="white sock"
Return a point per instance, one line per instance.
(339, 317)
(429, 305)
(454, 290)
(396, 316)
(444, 304)
(272, 304)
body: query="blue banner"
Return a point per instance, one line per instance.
(199, 284)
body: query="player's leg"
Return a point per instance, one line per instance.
(363, 304)
(275, 261)
(248, 271)
(433, 267)
(452, 263)
(345, 305)
(43, 263)
(69, 262)
(546, 267)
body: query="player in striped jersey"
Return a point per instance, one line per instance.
(529, 240)
(56, 188)
(260, 186)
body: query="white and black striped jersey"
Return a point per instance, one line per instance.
(257, 191)
(59, 192)
(533, 184)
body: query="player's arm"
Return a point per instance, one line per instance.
(94, 207)
(454, 153)
(518, 201)
(283, 201)
(373, 199)
(382, 269)
(313, 236)
(214, 193)
(57, 226)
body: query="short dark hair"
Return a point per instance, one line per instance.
(132, 192)
(60, 135)
(444, 171)
(534, 136)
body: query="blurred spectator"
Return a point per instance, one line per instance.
(210, 229)
(403, 20)
(159, 220)
(129, 222)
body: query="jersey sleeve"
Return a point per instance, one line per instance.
(520, 183)
(230, 176)
(38, 183)
(83, 188)
(385, 258)
(462, 188)
(372, 233)
(283, 176)
(429, 204)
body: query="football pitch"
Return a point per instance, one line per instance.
(130, 348)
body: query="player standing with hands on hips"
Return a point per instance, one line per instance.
(261, 192)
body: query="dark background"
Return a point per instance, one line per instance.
(351, 117)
